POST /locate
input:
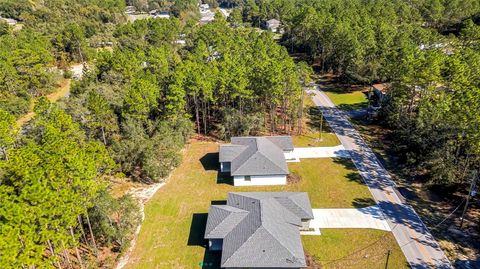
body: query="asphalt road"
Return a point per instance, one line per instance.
(418, 245)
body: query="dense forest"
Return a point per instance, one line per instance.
(142, 99)
(428, 51)
(130, 115)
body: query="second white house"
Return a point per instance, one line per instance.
(256, 160)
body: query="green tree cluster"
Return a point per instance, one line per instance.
(56, 211)
(24, 60)
(434, 110)
(125, 102)
(140, 99)
(357, 39)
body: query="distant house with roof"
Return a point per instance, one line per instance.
(206, 15)
(256, 160)
(273, 25)
(260, 229)
(380, 91)
(159, 14)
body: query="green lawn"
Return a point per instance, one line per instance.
(312, 128)
(355, 249)
(312, 139)
(348, 100)
(172, 233)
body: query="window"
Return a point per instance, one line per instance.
(248, 178)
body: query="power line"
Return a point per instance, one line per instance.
(434, 227)
(470, 194)
(361, 249)
(345, 258)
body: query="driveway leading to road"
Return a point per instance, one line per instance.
(317, 152)
(367, 217)
(418, 245)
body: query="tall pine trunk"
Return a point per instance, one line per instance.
(66, 257)
(272, 119)
(103, 136)
(91, 234)
(300, 120)
(204, 115)
(79, 258)
(53, 253)
(197, 115)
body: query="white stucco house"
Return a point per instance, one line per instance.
(254, 161)
(260, 229)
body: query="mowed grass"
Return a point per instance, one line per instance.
(354, 249)
(314, 139)
(172, 233)
(348, 100)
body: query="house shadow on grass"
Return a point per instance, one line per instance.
(356, 106)
(210, 161)
(224, 178)
(211, 259)
(197, 230)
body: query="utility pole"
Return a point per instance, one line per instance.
(471, 193)
(388, 257)
(321, 126)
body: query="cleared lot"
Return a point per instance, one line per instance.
(172, 234)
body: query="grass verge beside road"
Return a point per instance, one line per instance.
(348, 100)
(354, 249)
(172, 233)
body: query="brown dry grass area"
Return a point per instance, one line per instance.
(63, 88)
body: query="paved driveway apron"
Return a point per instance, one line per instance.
(317, 152)
(367, 217)
(418, 245)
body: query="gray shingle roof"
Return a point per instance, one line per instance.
(229, 152)
(250, 156)
(223, 219)
(260, 229)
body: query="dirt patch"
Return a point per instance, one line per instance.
(293, 178)
(312, 262)
(142, 194)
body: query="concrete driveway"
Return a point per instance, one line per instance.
(317, 152)
(367, 218)
(417, 243)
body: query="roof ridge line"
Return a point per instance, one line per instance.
(242, 243)
(256, 150)
(231, 212)
(295, 203)
(273, 161)
(280, 243)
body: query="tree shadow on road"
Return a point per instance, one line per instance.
(363, 202)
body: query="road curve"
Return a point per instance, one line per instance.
(418, 245)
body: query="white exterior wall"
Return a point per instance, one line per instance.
(305, 225)
(260, 180)
(291, 156)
